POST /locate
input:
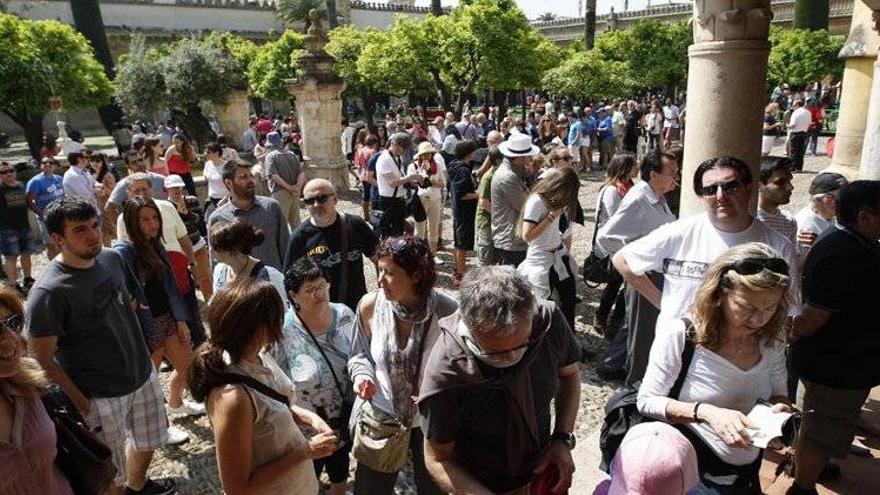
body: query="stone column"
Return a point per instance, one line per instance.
(870, 159)
(860, 50)
(726, 81)
(319, 109)
(233, 116)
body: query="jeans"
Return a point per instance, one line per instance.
(566, 292)
(797, 146)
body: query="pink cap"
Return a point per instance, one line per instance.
(654, 458)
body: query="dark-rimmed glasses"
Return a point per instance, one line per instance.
(728, 188)
(751, 266)
(13, 323)
(534, 339)
(319, 199)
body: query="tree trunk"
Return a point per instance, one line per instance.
(590, 24)
(32, 125)
(369, 107)
(88, 21)
(436, 7)
(811, 14)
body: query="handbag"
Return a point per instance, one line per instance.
(415, 208)
(622, 413)
(381, 440)
(598, 269)
(83, 459)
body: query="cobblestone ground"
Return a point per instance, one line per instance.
(193, 464)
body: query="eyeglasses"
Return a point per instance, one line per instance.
(728, 188)
(13, 323)
(534, 339)
(311, 291)
(8, 171)
(319, 199)
(751, 266)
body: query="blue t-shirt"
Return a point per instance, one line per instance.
(45, 189)
(609, 131)
(576, 127)
(589, 126)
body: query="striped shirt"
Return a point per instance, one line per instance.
(782, 222)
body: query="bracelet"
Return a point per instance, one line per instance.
(696, 407)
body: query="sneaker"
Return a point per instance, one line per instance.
(188, 408)
(176, 436)
(161, 486)
(859, 449)
(28, 284)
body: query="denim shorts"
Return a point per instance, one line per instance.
(16, 242)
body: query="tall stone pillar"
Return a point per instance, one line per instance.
(860, 51)
(319, 108)
(726, 81)
(233, 116)
(870, 160)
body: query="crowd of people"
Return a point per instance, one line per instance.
(301, 369)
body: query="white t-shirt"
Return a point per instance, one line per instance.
(807, 219)
(684, 249)
(214, 177)
(173, 227)
(710, 379)
(670, 116)
(387, 169)
(800, 120)
(545, 251)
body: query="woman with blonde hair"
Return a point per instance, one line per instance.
(546, 227)
(771, 128)
(27, 435)
(737, 361)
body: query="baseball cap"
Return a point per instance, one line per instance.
(654, 458)
(827, 182)
(173, 181)
(274, 139)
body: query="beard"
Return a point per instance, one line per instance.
(243, 192)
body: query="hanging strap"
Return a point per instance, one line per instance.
(425, 330)
(235, 378)
(343, 270)
(596, 222)
(687, 355)
(323, 354)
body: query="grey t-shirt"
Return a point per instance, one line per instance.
(265, 215)
(509, 194)
(120, 191)
(100, 343)
(283, 163)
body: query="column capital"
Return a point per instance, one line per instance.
(719, 21)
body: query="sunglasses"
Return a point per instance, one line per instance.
(13, 323)
(534, 339)
(728, 188)
(752, 266)
(319, 199)
(8, 171)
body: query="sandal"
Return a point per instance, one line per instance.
(456, 280)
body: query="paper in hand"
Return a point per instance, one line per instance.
(768, 424)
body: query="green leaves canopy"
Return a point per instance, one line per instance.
(587, 75)
(655, 52)
(39, 59)
(801, 56)
(274, 63)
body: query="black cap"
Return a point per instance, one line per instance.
(827, 182)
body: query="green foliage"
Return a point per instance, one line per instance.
(801, 56)
(39, 59)
(140, 85)
(589, 76)
(405, 58)
(274, 63)
(345, 45)
(295, 11)
(241, 50)
(655, 52)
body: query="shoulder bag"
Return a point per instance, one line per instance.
(381, 440)
(83, 459)
(598, 269)
(622, 413)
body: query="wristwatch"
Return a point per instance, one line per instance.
(564, 437)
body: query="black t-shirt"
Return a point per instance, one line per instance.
(13, 207)
(842, 275)
(324, 245)
(461, 183)
(632, 124)
(769, 119)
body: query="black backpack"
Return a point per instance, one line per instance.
(622, 413)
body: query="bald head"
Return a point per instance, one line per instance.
(317, 186)
(319, 195)
(494, 138)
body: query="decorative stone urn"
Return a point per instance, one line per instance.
(318, 93)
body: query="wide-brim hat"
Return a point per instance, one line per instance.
(173, 180)
(425, 147)
(518, 145)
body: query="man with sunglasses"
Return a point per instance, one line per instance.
(836, 343)
(484, 401)
(16, 239)
(336, 241)
(684, 249)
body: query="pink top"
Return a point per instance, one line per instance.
(177, 165)
(27, 462)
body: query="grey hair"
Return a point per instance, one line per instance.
(137, 177)
(494, 299)
(401, 139)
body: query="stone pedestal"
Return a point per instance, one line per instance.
(233, 116)
(870, 159)
(725, 95)
(860, 51)
(318, 94)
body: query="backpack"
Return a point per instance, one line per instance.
(622, 413)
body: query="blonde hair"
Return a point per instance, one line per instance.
(29, 373)
(720, 280)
